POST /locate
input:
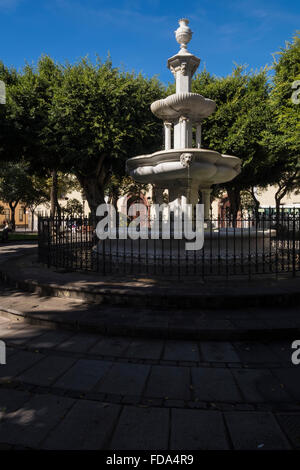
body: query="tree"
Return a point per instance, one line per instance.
(58, 185)
(236, 127)
(84, 119)
(11, 140)
(282, 136)
(103, 117)
(74, 207)
(36, 195)
(25, 123)
(15, 186)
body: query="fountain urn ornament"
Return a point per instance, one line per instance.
(183, 34)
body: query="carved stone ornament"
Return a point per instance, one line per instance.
(186, 159)
(184, 68)
(183, 34)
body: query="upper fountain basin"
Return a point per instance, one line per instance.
(191, 105)
(206, 166)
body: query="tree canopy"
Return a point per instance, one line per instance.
(88, 118)
(85, 118)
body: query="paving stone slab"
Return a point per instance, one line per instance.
(289, 379)
(218, 351)
(47, 370)
(21, 333)
(51, 339)
(181, 351)
(290, 424)
(18, 363)
(142, 429)
(197, 430)
(259, 385)
(125, 379)
(253, 430)
(83, 375)
(282, 350)
(87, 426)
(11, 400)
(30, 424)
(214, 385)
(110, 346)
(169, 382)
(254, 352)
(78, 343)
(145, 349)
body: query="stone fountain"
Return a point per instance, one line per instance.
(184, 168)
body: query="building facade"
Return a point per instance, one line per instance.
(21, 216)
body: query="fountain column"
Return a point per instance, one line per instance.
(168, 135)
(205, 193)
(2, 93)
(198, 135)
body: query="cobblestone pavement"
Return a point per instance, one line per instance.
(62, 389)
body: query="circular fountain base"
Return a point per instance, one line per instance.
(224, 250)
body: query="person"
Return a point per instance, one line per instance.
(5, 231)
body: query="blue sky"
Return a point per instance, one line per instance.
(139, 34)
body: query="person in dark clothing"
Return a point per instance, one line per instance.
(5, 232)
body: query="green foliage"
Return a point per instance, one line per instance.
(121, 185)
(239, 120)
(84, 119)
(15, 182)
(74, 207)
(282, 136)
(15, 185)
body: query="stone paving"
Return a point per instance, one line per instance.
(67, 389)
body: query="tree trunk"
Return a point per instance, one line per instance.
(13, 215)
(55, 208)
(256, 202)
(235, 202)
(278, 197)
(114, 201)
(32, 220)
(94, 192)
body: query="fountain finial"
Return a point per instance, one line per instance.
(183, 34)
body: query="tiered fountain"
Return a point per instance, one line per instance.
(181, 168)
(184, 169)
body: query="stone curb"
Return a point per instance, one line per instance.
(146, 361)
(145, 402)
(251, 296)
(152, 332)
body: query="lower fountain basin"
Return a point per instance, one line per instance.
(219, 245)
(207, 167)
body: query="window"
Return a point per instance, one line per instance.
(21, 215)
(7, 214)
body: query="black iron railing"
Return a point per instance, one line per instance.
(251, 245)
